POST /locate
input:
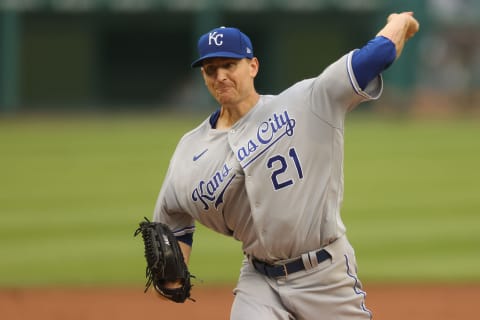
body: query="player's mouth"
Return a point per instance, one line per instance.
(221, 90)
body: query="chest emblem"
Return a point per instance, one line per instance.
(268, 133)
(210, 192)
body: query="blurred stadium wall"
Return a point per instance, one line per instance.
(63, 55)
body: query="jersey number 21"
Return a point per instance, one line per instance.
(284, 162)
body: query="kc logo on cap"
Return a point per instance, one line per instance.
(223, 42)
(216, 38)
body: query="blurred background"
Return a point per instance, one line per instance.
(94, 95)
(110, 55)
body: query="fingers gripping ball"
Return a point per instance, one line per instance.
(165, 263)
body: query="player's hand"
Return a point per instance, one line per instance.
(168, 285)
(411, 24)
(399, 28)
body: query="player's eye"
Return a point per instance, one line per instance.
(229, 65)
(210, 70)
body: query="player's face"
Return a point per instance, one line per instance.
(230, 81)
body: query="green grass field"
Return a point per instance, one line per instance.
(73, 189)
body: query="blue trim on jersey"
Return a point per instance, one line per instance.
(186, 238)
(181, 232)
(214, 118)
(376, 56)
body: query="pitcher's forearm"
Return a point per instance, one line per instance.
(399, 28)
(186, 250)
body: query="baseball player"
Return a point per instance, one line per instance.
(268, 171)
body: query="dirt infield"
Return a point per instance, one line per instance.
(386, 301)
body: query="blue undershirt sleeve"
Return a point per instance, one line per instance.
(376, 56)
(186, 238)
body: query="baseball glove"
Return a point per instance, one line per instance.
(165, 263)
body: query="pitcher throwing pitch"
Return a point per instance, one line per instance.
(268, 171)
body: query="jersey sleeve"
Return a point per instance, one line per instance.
(376, 56)
(168, 209)
(336, 91)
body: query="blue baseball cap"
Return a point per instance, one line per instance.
(223, 42)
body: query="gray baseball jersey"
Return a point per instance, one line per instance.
(274, 180)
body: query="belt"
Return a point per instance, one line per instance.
(282, 270)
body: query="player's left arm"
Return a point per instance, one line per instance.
(379, 53)
(332, 93)
(400, 27)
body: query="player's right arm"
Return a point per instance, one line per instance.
(168, 210)
(186, 250)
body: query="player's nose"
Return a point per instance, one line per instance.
(221, 74)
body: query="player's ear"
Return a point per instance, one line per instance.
(254, 67)
(203, 75)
